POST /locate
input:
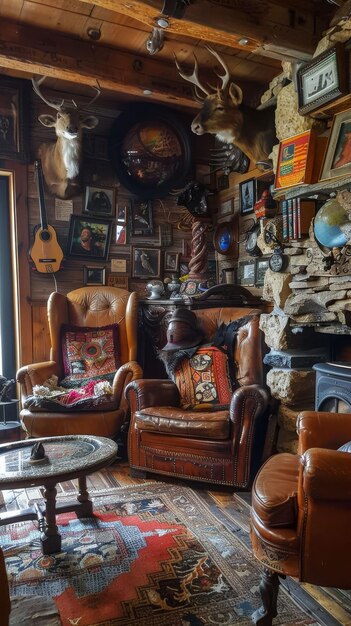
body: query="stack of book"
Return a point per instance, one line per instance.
(297, 215)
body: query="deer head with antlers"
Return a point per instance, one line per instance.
(61, 159)
(223, 114)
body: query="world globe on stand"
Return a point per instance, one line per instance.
(332, 225)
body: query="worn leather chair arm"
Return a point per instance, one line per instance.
(326, 474)
(35, 374)
(248, 408)
(124, 375)
(323, 430)
(152, 392)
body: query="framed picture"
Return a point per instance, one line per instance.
(246, 272)
(100, 201)
(171, 261)
(337, 159)
(295, 160)
(261, 268)
(117, 281)
(226, 208)
(121, 234)
(141, 216)
(187, 248)
(247, 191)
(94, 275)
(121, 213)
(89, 238)
(13, 125)
(146, 262)
(322, 80)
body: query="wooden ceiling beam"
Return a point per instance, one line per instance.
(265, 25)
(38, 51)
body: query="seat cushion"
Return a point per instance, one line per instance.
(204, 381)
(89, 352)
(172, 421)
(274, 492)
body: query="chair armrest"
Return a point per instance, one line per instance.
(248, 414)
(323, 430)
(326, 474)
(144, 393)
(124, 375)
(35, 374)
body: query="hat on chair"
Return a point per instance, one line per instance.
(182, 330)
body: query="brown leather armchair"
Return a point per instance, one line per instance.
(88, 306)
(223, 447)
(301, 511)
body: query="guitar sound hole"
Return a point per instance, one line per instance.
(45, 235)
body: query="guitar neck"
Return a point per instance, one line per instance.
(40, 187)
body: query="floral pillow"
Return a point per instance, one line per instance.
(204, 381)
(89, 352)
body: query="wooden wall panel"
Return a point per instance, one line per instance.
(41, 338)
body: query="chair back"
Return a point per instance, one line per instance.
(248, 347)
(95, 306)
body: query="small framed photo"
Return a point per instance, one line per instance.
(121, 234)
(246, 272)
(94, 275)
(186, 248)
(121, 282)
(13, 124)
(337, 159)
(247, 191)
(121, 215)
(89, 238)
(100, 201)
(146, 262)
(226, 208)
(171, 261)
(141, 216)
(322, 80)
(262, 266)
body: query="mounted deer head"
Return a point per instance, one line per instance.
(61, 159)
(223, 114)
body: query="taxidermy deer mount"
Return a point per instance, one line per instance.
(61, 159)
(223, 114)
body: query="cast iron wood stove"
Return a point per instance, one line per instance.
(333, 387)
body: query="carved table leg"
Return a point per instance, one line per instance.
(50, 537)
(269, 587)
(86, 506)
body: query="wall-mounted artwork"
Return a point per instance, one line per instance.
(89, 238)
(171, 261)
(141, 216)
(322, 80)
(247, 190)
(94, 275)
(100, 201)
(146, 262)
(13, 144)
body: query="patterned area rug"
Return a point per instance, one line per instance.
(153, 555)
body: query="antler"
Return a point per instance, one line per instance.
(192, 78)
(225, 77)
(36, 86)
(55, 105)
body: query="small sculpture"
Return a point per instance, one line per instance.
(37, 454)
(155, 290)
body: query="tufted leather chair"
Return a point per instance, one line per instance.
(301, 511)
(223, 447)
(88, 306)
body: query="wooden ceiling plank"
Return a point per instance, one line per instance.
(59, 19)
(34, 51)
(11, 10)
(226, 25)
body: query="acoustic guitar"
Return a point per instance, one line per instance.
(46, 253)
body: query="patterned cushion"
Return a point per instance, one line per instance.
(89, 352)
(204, 381)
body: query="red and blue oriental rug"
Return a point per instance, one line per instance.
(153, 555)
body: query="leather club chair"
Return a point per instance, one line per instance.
(223, 447)
(87, 306)
(301, 511)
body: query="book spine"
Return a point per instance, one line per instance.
(294, 211)
(298, 211)
(290, 219)
(285, 219)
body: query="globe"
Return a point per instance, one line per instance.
(332, 225)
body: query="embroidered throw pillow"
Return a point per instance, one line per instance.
(203, 380)
(89, 352)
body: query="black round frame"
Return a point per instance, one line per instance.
(148, 113)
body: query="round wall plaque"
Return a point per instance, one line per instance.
(224, 239)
